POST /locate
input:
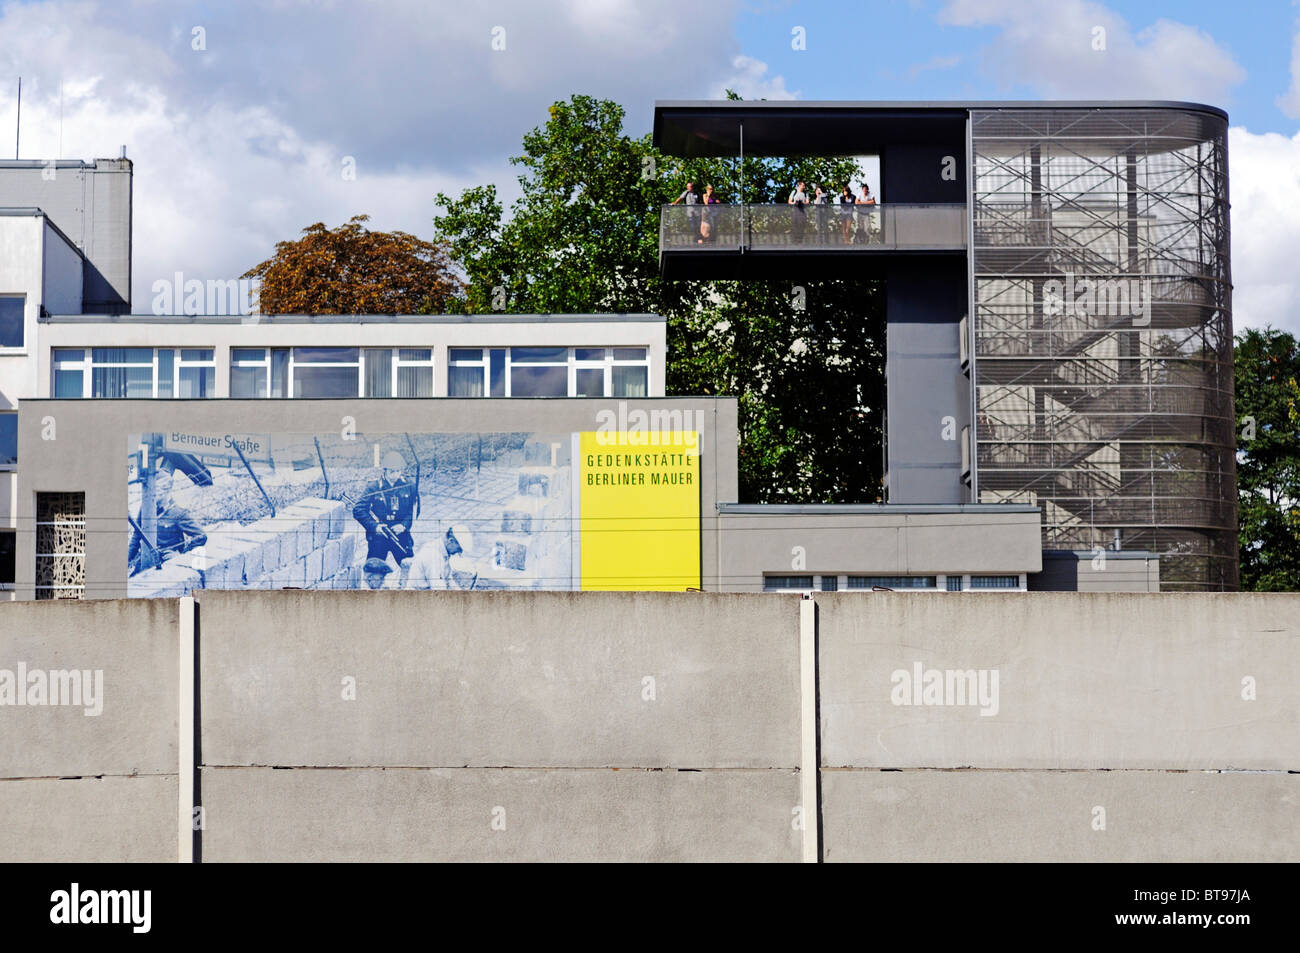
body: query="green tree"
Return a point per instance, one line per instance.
(583, 237)
(1268, 459)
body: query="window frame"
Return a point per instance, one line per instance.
(572, 363)
(20, 348)
(811, 587)
(86, 365)
(10, 467)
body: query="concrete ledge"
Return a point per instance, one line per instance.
(414, 814)
(1000, 816)
(89, 820)
(499, 679)
(1085, 680)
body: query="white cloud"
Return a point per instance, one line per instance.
(240, 145)
(933, 63)
(1265, 196)
(1051, 49)
(749, 80)
(1289, 102)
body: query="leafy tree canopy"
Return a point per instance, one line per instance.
(1268, 459)
(583, 237)
(352, 270)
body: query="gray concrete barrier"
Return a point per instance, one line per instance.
(483, 679)
(67, 649)
(88, 757)
(1152, 816)
(1060, 680)
(477, 814)
(654, 726)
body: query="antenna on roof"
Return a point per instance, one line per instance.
(18, 122)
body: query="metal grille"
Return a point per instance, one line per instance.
(60, 545)
(1103, 332)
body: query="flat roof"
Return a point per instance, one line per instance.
(698, 127)
(61, 163)
(878, 509)
(354, 319)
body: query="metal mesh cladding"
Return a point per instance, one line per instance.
(1103, 330)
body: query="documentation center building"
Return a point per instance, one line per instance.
(153, 455)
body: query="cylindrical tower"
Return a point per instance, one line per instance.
(1103, 330)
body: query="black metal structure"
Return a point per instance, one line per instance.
(1097, 345)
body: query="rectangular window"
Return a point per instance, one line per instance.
(379, 371)
(630, 381)
(954, 583)
(8, 564)
(280, 372)
(13, 318)
(589, 382)
(892, 582)
(780, 583)
(166, 371)
(248, 372)
(542, 380)
(196, 373)
(8, 440)
(414, 372)
(60, 545)
(326, 372)
(830, 583)
(548, 372)
(497, 371)
(69, 373)
(118, 373)
(465, 372)
(995, 582)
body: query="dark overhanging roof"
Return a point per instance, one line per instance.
(698, 128)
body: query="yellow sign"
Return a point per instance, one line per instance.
(639, 499)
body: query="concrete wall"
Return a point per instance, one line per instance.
(85, 787)
(925, 383)
(593, 726)
(875, 540)
(1106, 571)
(64, 276)
(89, 451)
(622, 726)
(91, 204)
(21, 265)
(1126, 727)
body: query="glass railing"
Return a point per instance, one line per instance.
(793, 228)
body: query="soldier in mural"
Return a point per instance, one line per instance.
(177, 530)
(386, 511)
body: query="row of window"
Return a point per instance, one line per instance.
(334, 372)
(832, 583)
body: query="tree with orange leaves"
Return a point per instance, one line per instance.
(352, 270)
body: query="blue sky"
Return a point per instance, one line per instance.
(239, 140)
(902, 50)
